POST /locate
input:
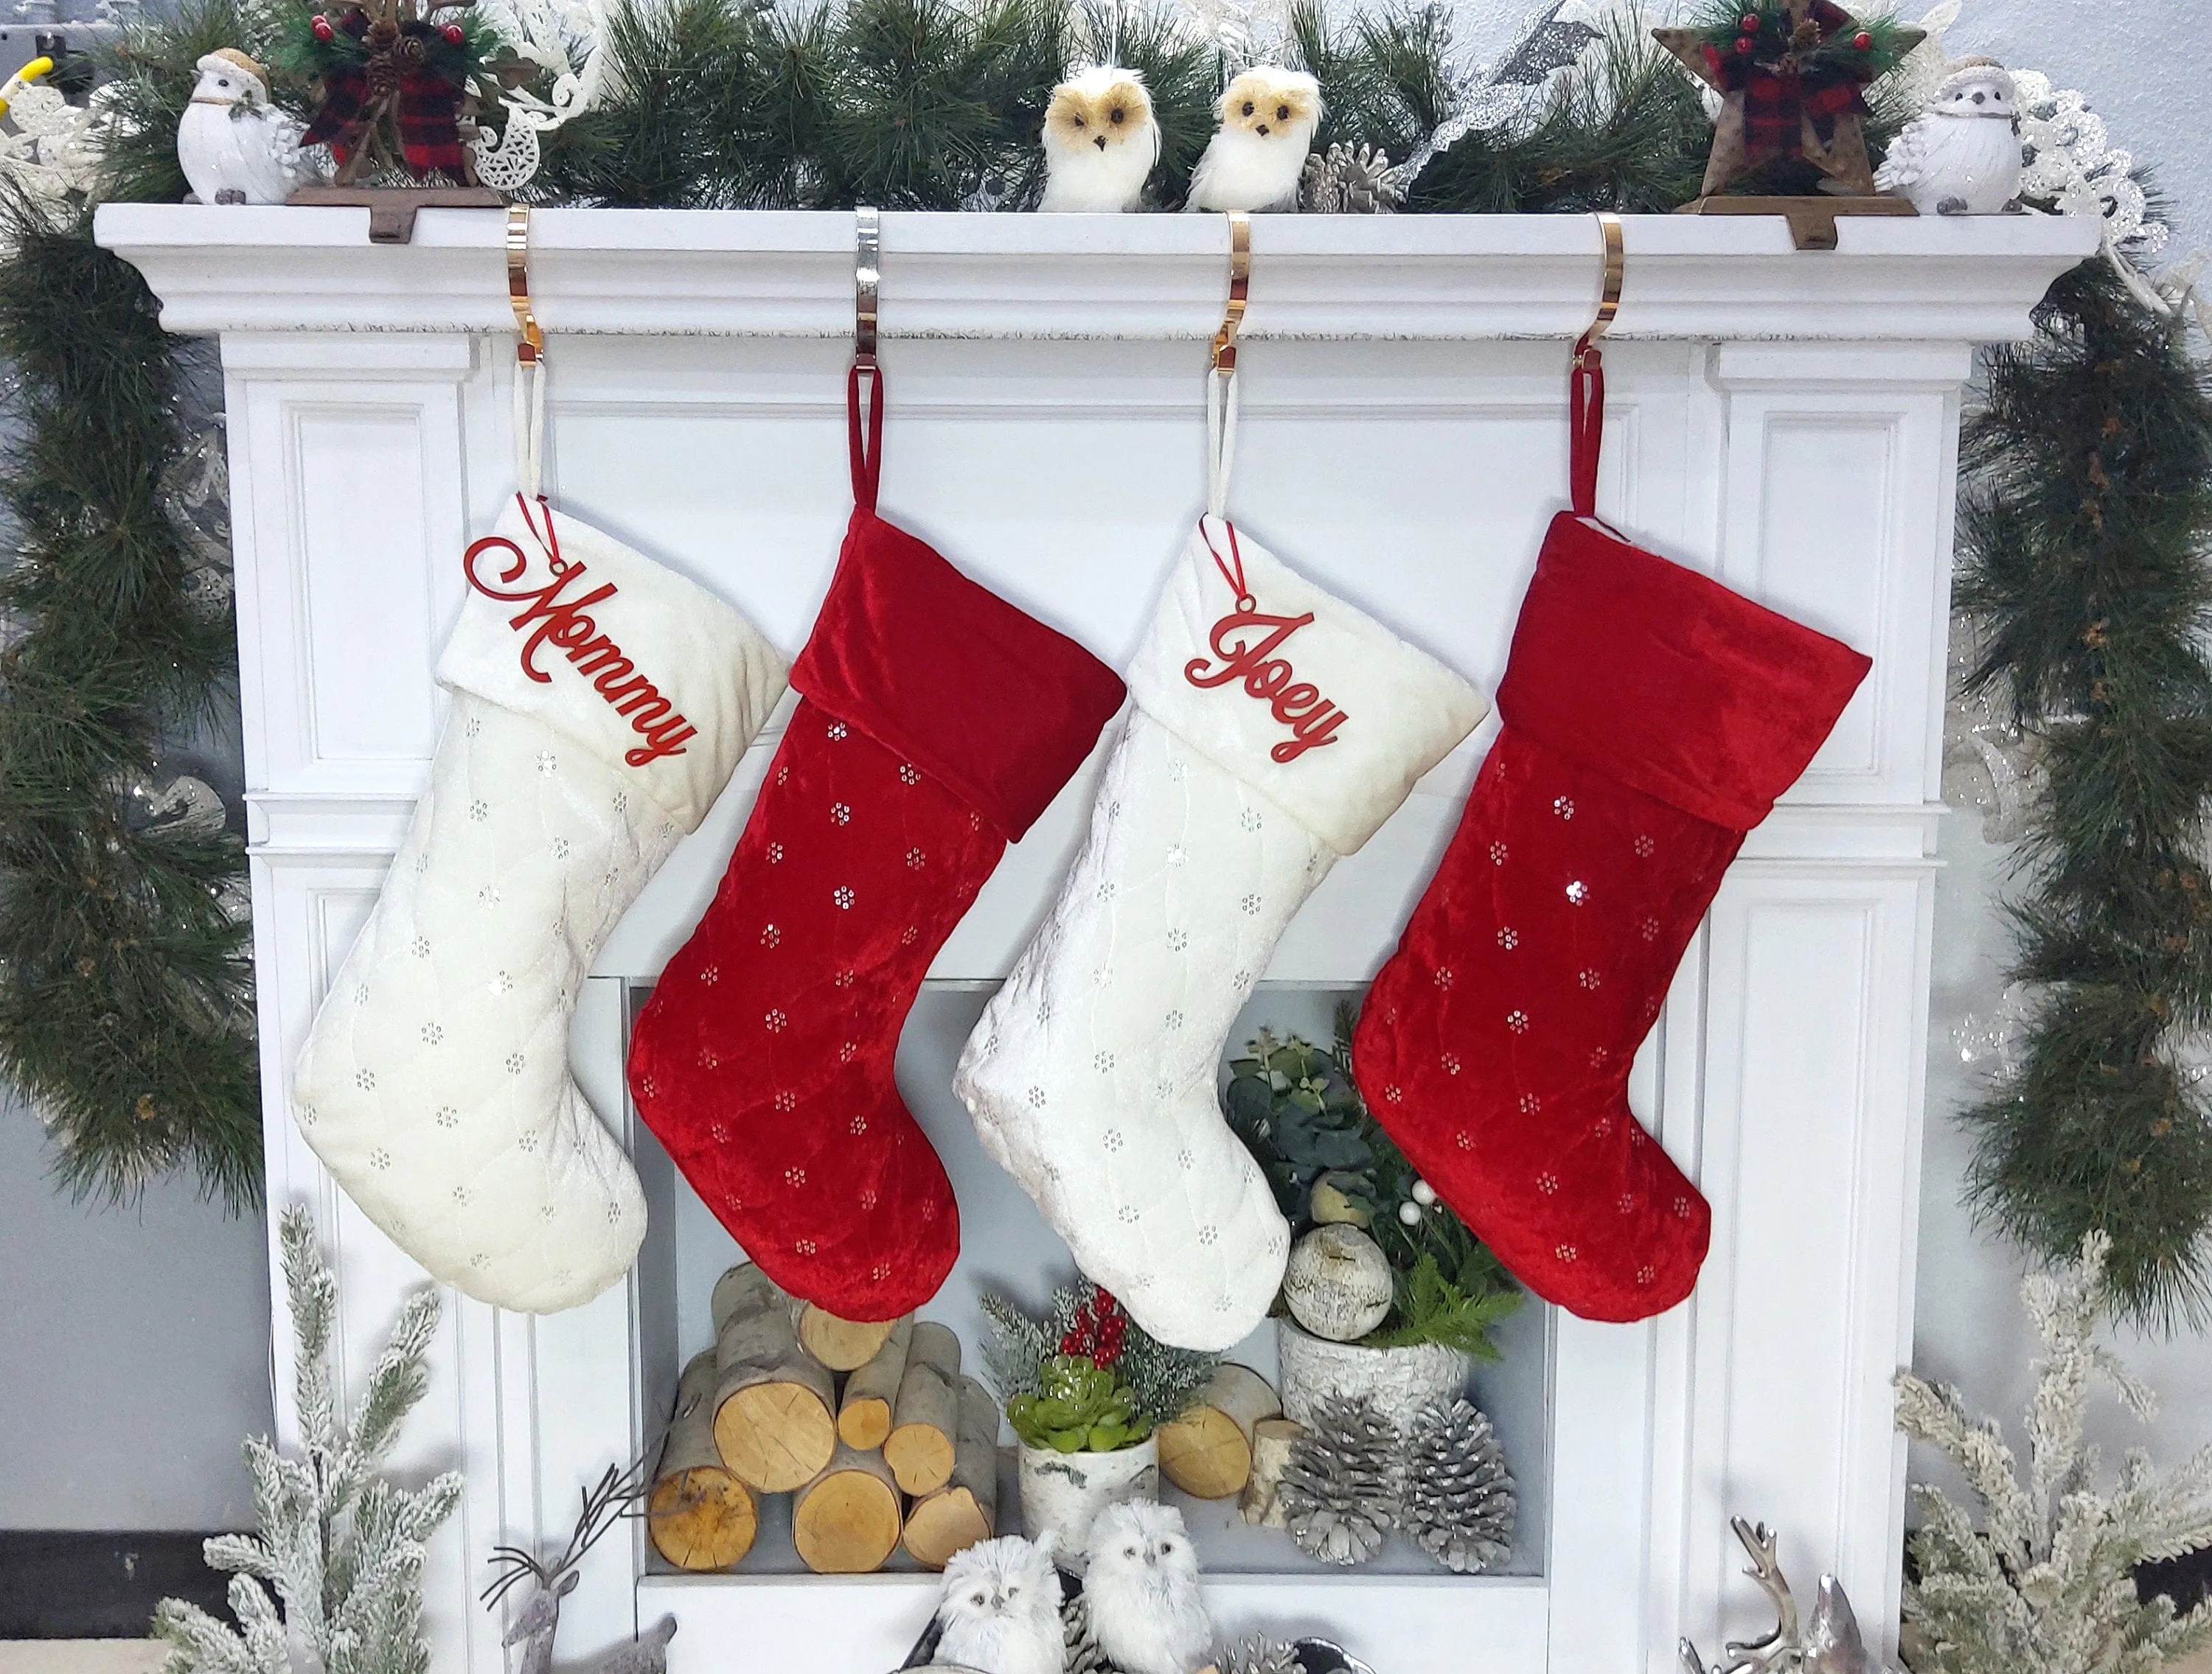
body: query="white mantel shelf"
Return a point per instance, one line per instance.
(775, 273)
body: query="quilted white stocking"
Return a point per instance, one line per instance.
(600, 705)
(1275, 729)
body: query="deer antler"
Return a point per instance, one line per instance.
(1783, 1649)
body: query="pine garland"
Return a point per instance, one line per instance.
(125, 993)
(2083, 535)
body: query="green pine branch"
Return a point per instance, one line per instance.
(125, 988)
(2083, 535)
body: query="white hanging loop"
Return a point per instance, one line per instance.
(1221, 376)
(529, 358)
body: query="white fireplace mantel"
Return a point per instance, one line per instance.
(1786, 421)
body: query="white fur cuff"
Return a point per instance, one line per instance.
(1313, 704)
(652, 674)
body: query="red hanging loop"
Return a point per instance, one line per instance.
(867, 456)
(1231, 567)
(1585, 425)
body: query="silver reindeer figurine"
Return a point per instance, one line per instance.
(1831, 1645)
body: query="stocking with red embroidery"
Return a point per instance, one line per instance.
(1651, 718)
(938, 722)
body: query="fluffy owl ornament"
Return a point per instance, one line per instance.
(1258, 158)
(1961, 156)
(1142, 1584)
(1000, 1610)
(1100, 142)
(233, 144)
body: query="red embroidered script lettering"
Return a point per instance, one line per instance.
(1245, 641)
(561, 623)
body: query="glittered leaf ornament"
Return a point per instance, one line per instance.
(1792, 75)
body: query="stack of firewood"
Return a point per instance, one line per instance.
(869, 1427)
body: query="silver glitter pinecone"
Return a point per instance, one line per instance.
(1337, 1487)
(1352, 180)
(1084, 1656)
(1260, 1656)
(1460, 1503)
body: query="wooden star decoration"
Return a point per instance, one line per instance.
(1790, 89)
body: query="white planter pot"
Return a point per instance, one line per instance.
(1063, 1492)
(1399, 1381)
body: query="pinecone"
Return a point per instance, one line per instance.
(1336, 1490)
(1084, 1656)
(1258, 1655)
(1352, 180)
(1459, 1503)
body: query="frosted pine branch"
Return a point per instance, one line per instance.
(2045, 1582)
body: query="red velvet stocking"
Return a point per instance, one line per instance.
(938, 722)
(1651, 718)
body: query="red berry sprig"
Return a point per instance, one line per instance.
(1751, 23)
(321, 26)
(453, 34)
(1863, 41)
(1098, 1332)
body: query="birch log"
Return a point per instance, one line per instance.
(842, 1345)
(846, 1522)
(864, 1417)
(925, 1417)
(774, 1407)
(1207, 1452)
(966, 1509)
(700, 1515)
(1260, 1502)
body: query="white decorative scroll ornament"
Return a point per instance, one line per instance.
(1989, 763)
(563, 38)
(49, 146)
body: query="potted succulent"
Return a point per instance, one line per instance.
(1388, 1295)
(1086, 1390)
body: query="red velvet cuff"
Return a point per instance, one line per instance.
(1668, 681)
(975, 693)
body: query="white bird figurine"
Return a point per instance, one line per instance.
(1100, 142)
(1961, 156)
(234, 146)
(1258, 158)
(1142, 1584)
(1000, 1610)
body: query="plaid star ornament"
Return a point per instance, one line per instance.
(1792, 75)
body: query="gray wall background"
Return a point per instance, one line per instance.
(134, 1344)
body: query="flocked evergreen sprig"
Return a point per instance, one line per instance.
(1087, 1324)
(126, 990)
(2043, 1581)
(2083, 532)
(339, 1546)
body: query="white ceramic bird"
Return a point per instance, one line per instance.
(1000, 1610)
(1142, 1584)
(234, 146)
(1961, 156)
(1100, 142)
(1268, 118)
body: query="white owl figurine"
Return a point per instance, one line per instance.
(999, 1610)
(1141, 1585)
(1961, 156)
(1100, 142)
(234, 146)
(1258, 158)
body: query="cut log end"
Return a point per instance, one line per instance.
(945, 1523)
(1205, 1454)
(702, 1518)
(919, 1456)
(846, 1522)
(842, 1345)
(775, 1435)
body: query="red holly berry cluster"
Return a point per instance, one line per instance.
(322, 27)
(1099, 1330)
